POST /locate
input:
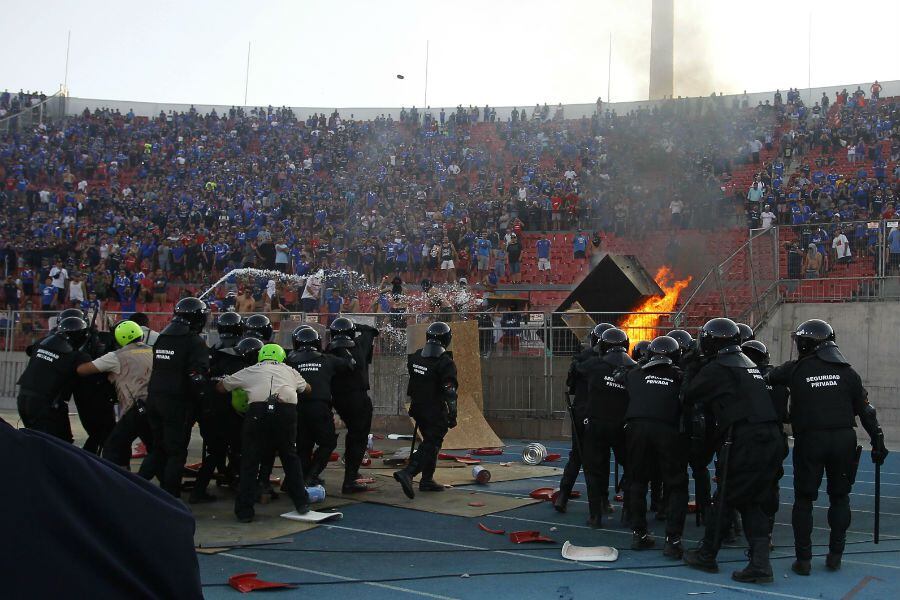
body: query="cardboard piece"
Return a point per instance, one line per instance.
(472, 430)
(578, 321)
(312, 516)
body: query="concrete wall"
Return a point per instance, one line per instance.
(869, 336)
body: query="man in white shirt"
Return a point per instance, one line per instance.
(676, 206)
(768, 217)
(270, 425)
(841, 247)
(59, 275)
(309, 300)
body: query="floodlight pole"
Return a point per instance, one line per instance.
(247, 75)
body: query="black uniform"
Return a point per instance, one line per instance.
(700, 455)
(780, 396)
(732, 391)
(180, 365)
(95, 397)
(577, 384)
(430, 378)
(220, 424)
(351, 399)
(654, 443)
(826, 397)
(47, 384)
(604, 426)
(315, 421)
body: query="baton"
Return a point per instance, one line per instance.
(877, 500)
(575, 438)
(720, 489)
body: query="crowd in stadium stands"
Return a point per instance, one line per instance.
(114, 206)
(12, 104)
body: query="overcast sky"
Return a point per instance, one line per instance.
(502, 52)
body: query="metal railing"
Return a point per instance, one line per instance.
(51, 109)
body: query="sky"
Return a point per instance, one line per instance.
(347, 53)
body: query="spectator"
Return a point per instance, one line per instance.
(514, 250)
(160, 286)
(77, 292)
(767, 217)
(59, 275)
(309, 300)
(676, 206)
(246, 304)
(841, 247)
(49, 295)
(543, 256)
(893, 240)
(12, 292)
(579, 246)
(812, 262)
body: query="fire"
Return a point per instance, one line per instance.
(642, 325)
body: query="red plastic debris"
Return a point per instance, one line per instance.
(366, 462)
(526, 537)
(487, 529)
(334, 457)
(619, 498)
(466, 460)
(544, 493)
(274, 480)
(248, 582)
(692, 507)
(365, 480)
(488, 452)
(572, 494)
(552, 457)
(376, 453)
(194, 466)
(477, 504)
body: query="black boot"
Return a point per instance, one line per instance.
(673, 548)
(701, 558)
(561, 501)
(759, 569)
(595, 521)
(642, 541)
(352, 486)
(302, 508)
(406, 482)
(835, 552)
(801, 567)
(430, 485)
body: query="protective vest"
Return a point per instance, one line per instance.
(318, 370)
(654, 394)
(578, 383)
(50, 372)
(822, 395)
(780, 395)
(733, 394)
(607, 398)
(135, 365)
(427, 377)
(177, 358)
(358, 379)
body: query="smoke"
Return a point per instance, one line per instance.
(696, 49)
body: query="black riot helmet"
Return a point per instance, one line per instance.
(746, 332)
(597, 332)
(70, 312)
(74, 329)
(306, 337)
(229, 325)
(756, 351)
(258, 326)
(684, 339)
(810, 334)
(248, 349)
(639, 352)
(342, 331)
(664, 347)
(717, 334)
(439, 333)
(613, 339)
(193, 312)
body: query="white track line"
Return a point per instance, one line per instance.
(568, 562)
(385, 586)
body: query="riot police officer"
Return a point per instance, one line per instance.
(729, 396)
(49, 378)
(129, 369)
(258, 326)
(759, 354)
(315, 421)
(220, 426)
(652, 435)
(351, 394)
(177, 383)
(604, 425)
(270, 425)
(746, 332)
(827, 396)
(639, 351)
(433, 392)
(577, 386)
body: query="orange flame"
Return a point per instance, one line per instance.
(642, 325)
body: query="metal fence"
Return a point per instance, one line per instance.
(524, 356)
(51, 109)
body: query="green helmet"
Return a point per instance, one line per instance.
(127, 332)
(272, 352)
(239, 400)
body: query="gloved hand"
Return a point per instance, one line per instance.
(879, 450)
